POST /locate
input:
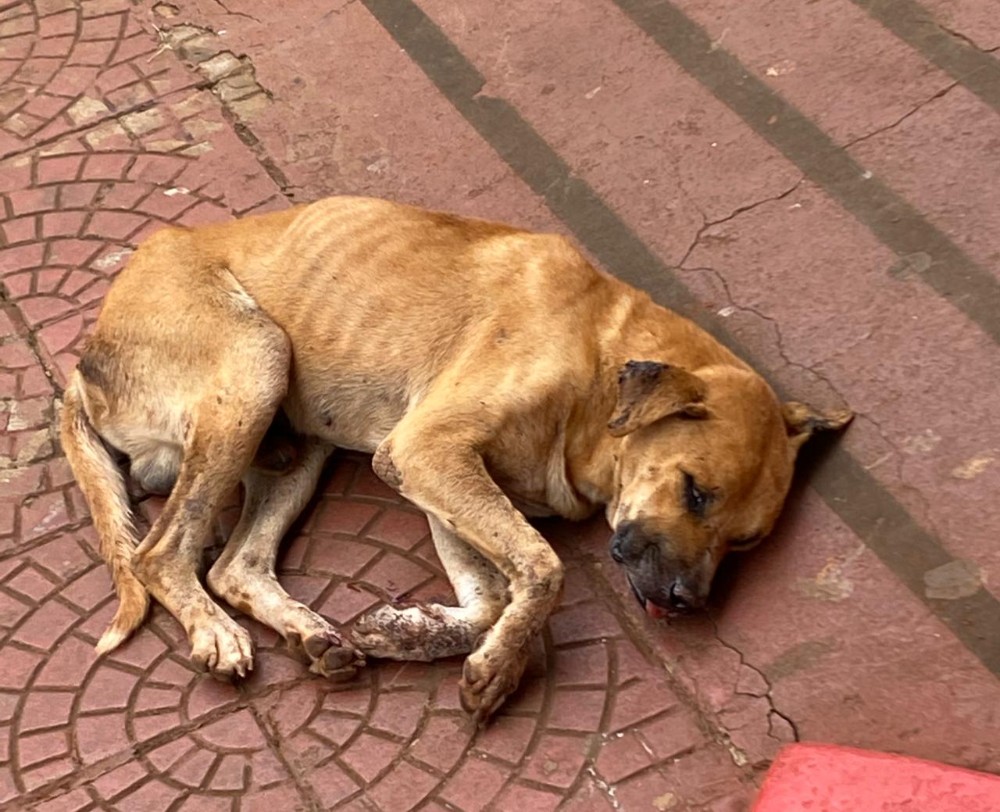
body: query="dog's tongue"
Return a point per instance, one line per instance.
(654, 611)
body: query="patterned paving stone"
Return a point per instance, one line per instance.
(37, 496)
(66, 65)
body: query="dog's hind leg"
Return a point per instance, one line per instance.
(431, 631)
(167, 561)
(224, 426)
(244, 574)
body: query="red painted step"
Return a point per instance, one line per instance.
(827, 778)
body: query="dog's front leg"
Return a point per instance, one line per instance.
(438, 468)
(244, 574)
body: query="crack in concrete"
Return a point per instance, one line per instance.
(337, 9)
(53, 407)
(772, 708)
(273, 739)
(861, 138)
(707, 224)
(226, 9)
(247, 136)
(199, 46)
(776, 328)
(608, 790)
(899, 457)
(964, 38)
(710, 724)
(232, 79)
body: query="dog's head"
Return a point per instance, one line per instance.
(704, 465)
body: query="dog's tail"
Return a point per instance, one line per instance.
(104, 488)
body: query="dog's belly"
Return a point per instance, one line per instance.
(349, 416)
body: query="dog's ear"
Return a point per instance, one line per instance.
(803, 421)
(649, 391)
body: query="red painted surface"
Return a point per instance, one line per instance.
(825, 778)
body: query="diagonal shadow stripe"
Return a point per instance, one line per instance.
(976, 70)
(861, 502)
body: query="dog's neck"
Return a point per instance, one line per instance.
(641, 330)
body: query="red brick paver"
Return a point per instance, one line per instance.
(117, 118)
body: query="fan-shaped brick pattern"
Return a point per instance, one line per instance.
(65, 65)
(140, 726)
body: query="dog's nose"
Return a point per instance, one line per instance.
(629, 543)
(623, 543)
(616, 549)
(681, 597)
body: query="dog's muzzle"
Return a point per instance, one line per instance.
(661, 588)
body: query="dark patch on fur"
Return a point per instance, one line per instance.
(193, 508)
(644, 375)
(636, 380)
(96, 367)
(433, 636)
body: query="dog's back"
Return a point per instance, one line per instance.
(377, 298)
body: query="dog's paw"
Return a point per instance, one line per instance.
(418, 633)
(316, 642)
(222, 647)
(488, 678)
(329, 657)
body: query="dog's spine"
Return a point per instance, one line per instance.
(104, 488)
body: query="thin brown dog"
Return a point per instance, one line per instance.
(494, 374)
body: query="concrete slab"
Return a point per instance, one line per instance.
(824, 57)
(941, 157)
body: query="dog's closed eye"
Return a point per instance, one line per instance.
(696, 499)
(744, 544)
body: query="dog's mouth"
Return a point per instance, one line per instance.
(651, 607)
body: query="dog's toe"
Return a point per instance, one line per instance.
(223, 648)
(338, 663)
(327, 654)
(331, 659)
(487, 681)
